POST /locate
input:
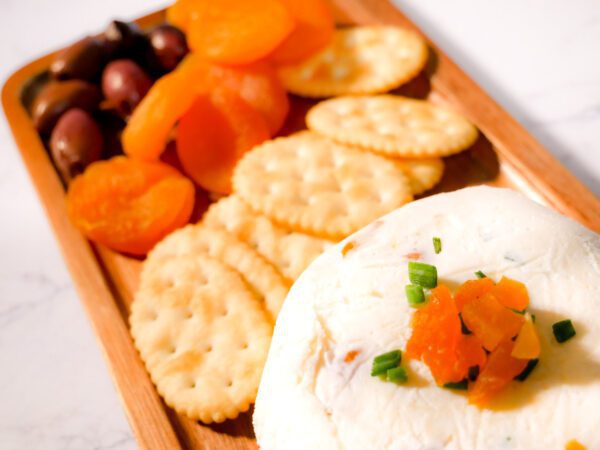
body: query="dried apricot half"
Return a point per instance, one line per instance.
(129, 205)
(150, 125)
(259, 85)
(214, 134)
(314, 30)
(237, 31)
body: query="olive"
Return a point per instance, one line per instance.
(75, 143)
(124, 40)
(58, 96)
(125, 84)
(169, 45)
(112, 125)
(83, 60)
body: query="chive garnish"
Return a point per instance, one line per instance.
(473, 373)
(437, 245)
(385, 361)
(533, 318)
(422, 274)
(527, 370)
(461, 385)
(397, 375)
(414, 294)
(563, 330)
(479, 274)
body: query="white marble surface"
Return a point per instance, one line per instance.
(539, 58)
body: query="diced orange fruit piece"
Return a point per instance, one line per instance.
(434, 325)
(259, 85)
(129, 205)
(150, 125)
(527, 345)
(214, 134)
(435, 335)
(490, 321)
(471, 290)
(314, 30)
(511, 293)
(237, 31)
(501, 368)
(573, 444)
(469, 353)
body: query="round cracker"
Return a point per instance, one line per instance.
(289, 251)
(261, 276)
(393, 125)
(422, 173)
(359, 60)
(203, 336)
(313, 185)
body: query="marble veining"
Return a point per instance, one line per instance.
(536, 57)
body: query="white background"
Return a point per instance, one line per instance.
(539, 58)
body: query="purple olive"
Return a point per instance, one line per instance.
(83, 60)
(124, 40)
(56, 97)
(75, 143)
(169, 45)
(125, 84)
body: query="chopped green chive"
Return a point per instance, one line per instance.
(479, 274)
(461, 385)
(414, 294)
(533, 318)
(473, 373)
(463, 328)
(397, 375)
(422, 274)
(437, 245)
(563, 330)
(384, 362)
(522, 312)
(527, 370)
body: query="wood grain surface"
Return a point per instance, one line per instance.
(505, 155)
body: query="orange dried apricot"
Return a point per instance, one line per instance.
(501, 368)
(129, 205)
(527, 345)
(259, 85)
(471, 290)
(511, 293)
(491, 321)
(314, 30)
(237, 31)
(214, 134)
(150, 125)
(179, 13)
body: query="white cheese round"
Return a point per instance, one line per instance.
(312, 397)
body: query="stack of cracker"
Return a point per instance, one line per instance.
(210, 292)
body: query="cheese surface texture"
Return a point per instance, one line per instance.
(350, 306)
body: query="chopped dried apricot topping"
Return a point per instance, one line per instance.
(511, 293)
(573, 444)
(472, 289)
(456, 354)
(214, 134)
(129, 205)
(500, 370)
(436, 332)
(314, 29)
(527, 345)
(236, 31)
(490, 321)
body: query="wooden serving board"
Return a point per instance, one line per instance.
(505, 155)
